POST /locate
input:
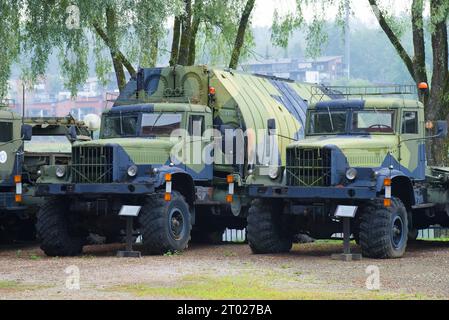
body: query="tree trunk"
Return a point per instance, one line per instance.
(419, 60)
(192, 47)
(438, 105)
(111, 30)
(186, 34)
(240, 39)
(175, 42)
(154, 52)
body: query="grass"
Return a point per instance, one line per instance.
(243, 287)
(17, 286)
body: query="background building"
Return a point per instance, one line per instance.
(319, 70)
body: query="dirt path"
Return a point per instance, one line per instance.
(224, 272)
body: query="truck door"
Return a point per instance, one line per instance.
(9, 145)
(412, 146)
(196, 167)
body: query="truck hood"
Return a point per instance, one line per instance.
(140, 151)
(360, 151)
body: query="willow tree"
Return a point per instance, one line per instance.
(220, 28)
(437, 99)
(9, 39)
(129, 31)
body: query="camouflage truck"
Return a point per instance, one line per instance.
(132, 165)
(368, 154)
(26, 144)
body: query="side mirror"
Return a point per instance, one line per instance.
(26, 132)
(442, 129)
(271, 125)
(72, 134)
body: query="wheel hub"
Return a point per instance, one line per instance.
(176, 224)
(397, 232)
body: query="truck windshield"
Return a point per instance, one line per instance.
(117, 126)
(373, 122)
(160, 124)
(48, 143)
(327, 122)
(5, 131)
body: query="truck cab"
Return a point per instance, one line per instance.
(367, 153)
(27, 144)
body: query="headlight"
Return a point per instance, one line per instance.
(273, 172)
(60, 172)
(351, 174)
(132, 171)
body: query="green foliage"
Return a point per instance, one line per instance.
(9, 39)
(44, 29)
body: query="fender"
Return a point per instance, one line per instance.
(182, 182)
(405, 193)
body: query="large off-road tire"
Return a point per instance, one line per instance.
(266, 231)
(56, 232)
(165, 226)
(384, 231)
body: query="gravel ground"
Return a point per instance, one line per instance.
(306, 273)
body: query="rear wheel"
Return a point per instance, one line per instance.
(384, 231)
(165, 226)
(56, 232)
(266, 231)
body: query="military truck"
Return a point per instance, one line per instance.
(132, 167)
(368, 154)
(26, 144)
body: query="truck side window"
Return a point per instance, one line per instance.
(196, 125)
(5, 131)
(410, 123)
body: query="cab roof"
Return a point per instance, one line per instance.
(157, 107)
(368, 103)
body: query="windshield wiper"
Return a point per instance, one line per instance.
(155, 122)
(330, 118)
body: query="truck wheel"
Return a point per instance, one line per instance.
(265, 231)
(165, 226)
(56, 232)
(383, 231)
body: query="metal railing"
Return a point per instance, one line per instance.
(345, 92)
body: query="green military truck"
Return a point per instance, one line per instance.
(218, 120)
(368, 154)
(27, 144)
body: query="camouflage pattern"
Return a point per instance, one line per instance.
(242, 101)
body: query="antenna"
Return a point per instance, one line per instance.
(23, 102)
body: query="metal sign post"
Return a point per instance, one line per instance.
(129, 212)
(346, 213)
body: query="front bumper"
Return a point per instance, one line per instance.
(8, 202)
(46, 190)
(313, 193)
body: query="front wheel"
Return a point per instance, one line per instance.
(165, 226)
(267, 233)
(384, 231)
(56, 232)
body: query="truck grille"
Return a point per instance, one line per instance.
(92, 164)
(309, 167)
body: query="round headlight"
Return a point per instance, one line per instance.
(273, 172)
(132, 171)
(60, 172)
(351, 174)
